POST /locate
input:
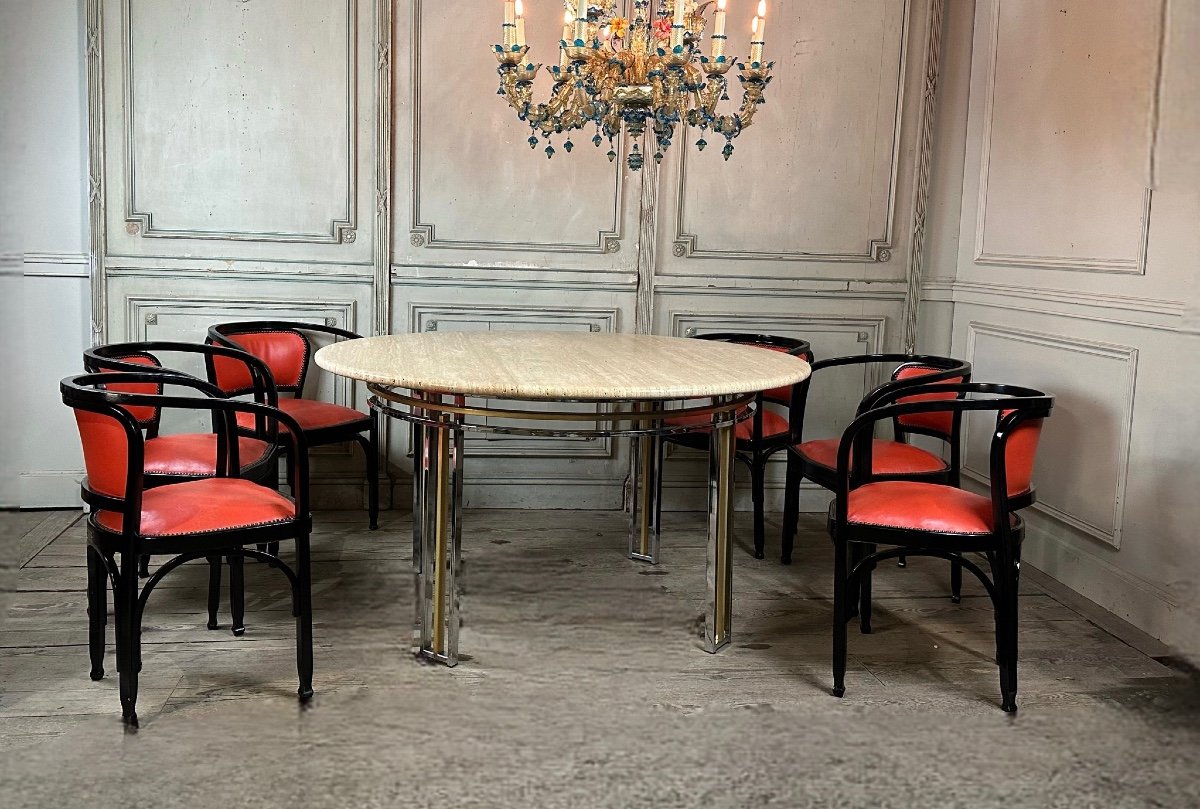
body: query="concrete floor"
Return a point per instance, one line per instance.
(582, 685)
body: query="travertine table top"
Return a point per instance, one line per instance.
(562, 365)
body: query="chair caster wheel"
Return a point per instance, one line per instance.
(305, 694)
(838, 692)
(97, 675)
(238, 631)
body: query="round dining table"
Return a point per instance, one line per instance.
(638, 385)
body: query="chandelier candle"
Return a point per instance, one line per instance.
(644, 75)
(759, 33)
(510, 22)
(718, 35)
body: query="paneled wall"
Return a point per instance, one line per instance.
(351, 162)
(1076, 273)
(44, 300)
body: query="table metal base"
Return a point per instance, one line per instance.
(438, 425)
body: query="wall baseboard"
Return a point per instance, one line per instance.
(1137, 611)
(1098, 615)
(49, 489)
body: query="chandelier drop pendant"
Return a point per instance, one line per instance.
(642, 72)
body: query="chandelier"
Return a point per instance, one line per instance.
(646, 71)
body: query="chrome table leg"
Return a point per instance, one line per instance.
(645, 512)
(720, 535)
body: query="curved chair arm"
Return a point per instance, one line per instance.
(217, 332)
(1015, 404)
(113, 357)
(77, 395)
(82, 391)
(954, 369)
(958, 373)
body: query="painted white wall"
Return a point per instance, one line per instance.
(1076, 272)
(45, 286)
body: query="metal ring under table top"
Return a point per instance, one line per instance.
(428, 409)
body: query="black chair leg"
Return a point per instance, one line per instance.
(237, 593)
(791, 507)
(839, 618)
(97, 610)
(128, 639)
(864, 592)
(1009, 572)
(956, 579)
(304, 643)
(758, 485)
(214, 590)
(144, 566)
(273, 482)
(853, 587)
(371, 448)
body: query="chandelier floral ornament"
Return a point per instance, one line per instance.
(642, 72)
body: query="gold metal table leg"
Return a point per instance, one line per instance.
(437, 539)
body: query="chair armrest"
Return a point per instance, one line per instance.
(218, 404)
(856, 445)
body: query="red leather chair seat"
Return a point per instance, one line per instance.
(887, 457)
(921, 507)
(195, 454)
(773, 424)
(311, 413)
(201, 506)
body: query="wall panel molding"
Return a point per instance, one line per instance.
(139, 221)
(924, 169)
(1134, 264)
(424, 233)
(508, 278)
(1123, 310)
(878, 247)
(52, 265)
(868, 329)
(97, 153)
(1125, 358)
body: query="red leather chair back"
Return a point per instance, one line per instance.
(940, 423)
(145, 415)
(105, 452)
(1020, 453)
(285, 353)
(782, 395)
